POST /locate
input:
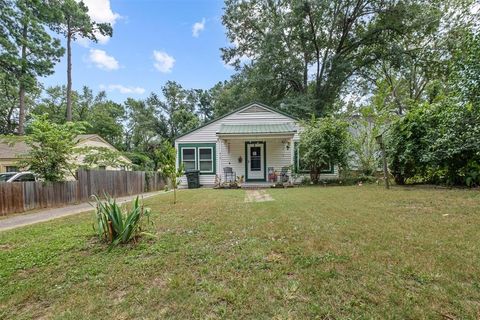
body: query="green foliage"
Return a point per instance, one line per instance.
(177, 110)
(315, 47)
(52, 148)
(101, 156)
(366, 126)
(140, 161)
(119, 226)
(27, 49)
(168, 155)
(438, 143)
(70, 18)
(324, 141)
(104, 117)
(466, 68)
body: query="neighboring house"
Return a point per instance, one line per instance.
(255, 141)
(12, 152)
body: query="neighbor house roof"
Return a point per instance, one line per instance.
(11, 147)
(266, 128)
(235, 111)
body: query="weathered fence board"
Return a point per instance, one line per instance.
(24, 196)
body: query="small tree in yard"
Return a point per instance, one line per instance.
(101, 156)
(168, 155)
(324, 141)
(51, 148)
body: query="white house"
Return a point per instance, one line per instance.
(255, 142)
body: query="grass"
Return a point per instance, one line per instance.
(328, 253)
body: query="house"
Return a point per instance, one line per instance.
(13, 151)
(256, 141)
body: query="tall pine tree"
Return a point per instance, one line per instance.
(72, 21)
(27, 50)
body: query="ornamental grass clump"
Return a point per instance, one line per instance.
(116, 225)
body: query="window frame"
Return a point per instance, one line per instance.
(211, 160)
(196, 147)
(194, 154)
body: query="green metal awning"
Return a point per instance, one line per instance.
(249, 129)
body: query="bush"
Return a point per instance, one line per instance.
(324, 141)
(436, 143)
(116, 225)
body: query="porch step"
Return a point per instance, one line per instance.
(256, 185)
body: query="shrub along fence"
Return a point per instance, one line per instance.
(23, 196)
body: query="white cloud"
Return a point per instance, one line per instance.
(163, 61)
(123, 89)
(102, 60)
(198, 27)
(100, 11)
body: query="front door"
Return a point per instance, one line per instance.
(255, 154)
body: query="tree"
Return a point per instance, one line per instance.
(145, 131)
(52, 148)
(31, 52)
(168, 159)
(417, 67)
(325, 141)
(101, 156)
(177, 111)
(436, 143)
(71, 19)
(290, 41)
(104, 117)
(465, 76)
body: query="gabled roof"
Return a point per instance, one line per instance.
(13, 146)
(238, 110)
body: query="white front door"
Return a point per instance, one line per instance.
(255, 161)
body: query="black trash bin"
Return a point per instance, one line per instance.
(193, 179)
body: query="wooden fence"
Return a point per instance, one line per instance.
(24, 196)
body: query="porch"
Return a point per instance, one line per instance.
(257, 155)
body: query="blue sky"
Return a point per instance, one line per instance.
(153, 41)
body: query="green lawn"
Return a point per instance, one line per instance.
(328, 253)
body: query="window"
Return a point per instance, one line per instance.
(5, 176)
(198, 156)
(255, 159)
(189, 158)
(300, 165)
(25, 177)
(205, 156)
(12, 169)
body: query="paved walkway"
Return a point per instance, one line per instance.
(54, 213)
(257, 195)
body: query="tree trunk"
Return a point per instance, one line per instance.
(69, 75)
(21, 93)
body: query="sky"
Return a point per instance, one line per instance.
(153, 41)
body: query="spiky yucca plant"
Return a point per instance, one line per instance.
(116, 225)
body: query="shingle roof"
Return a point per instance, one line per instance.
(13, 146)
(269, 128)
